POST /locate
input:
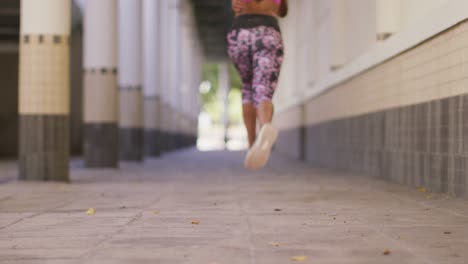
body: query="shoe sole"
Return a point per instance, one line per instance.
(258, 156)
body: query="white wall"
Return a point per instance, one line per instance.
(320, 34)
(414, 11)
(300, 42)
(323, 23)
(360, 33)
(288, 77)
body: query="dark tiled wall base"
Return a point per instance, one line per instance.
(419, 145)
(44, 148)
(180, 141)
(131, 144)
(291, 143)
(165, 141)
(172, 142)
(101, 145)
(189, 141)
(186, 141)
(153, 142)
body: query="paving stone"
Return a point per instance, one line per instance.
(203, 207)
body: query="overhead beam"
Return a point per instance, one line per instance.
(9, 11)
(9, 31)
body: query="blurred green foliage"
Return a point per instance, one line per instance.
(212, 104)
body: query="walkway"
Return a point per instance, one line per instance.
(192, 207)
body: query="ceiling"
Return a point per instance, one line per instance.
(213, 18)
(9, 21)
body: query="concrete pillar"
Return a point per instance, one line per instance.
(224, 84)
(151, 76)
(44, 90)
(185, 71)
(101, 132)
(164, 73)
(191, 71)
(130, 80)
(196, 80)
(388, 18)
(174, 86)
(170, 76)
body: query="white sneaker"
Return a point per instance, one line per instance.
(258, 156)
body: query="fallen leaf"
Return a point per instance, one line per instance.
(422, 189)
(156, 212)
(447, 232)
(277, 210)
(123, 207)
(299, 258)
(429, 196)
(274, 244)
(195, 222)
(91, 211)
(386, 252)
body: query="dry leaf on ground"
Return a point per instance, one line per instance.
(91, 211)
(299, 258)
(195, 222)
(386, 252)
(275, 244)
(422, 189)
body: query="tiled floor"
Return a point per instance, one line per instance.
(192, 207)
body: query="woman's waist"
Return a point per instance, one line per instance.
(255, 20)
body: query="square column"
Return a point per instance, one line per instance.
(44, 90)
(130, 80)
(101, 131)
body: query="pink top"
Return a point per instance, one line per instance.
(276, 1)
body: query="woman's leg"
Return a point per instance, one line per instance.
(265, 112)
(250, 121)
(267, 62)
(267, 59)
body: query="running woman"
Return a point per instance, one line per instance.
(255, 46)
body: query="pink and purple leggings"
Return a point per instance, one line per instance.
(256, 49)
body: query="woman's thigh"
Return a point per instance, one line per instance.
(267, 61)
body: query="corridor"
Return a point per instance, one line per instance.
(203, 207)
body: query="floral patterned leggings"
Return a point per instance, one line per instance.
(257, 53)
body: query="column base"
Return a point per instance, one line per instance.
(131, 144)
(169, 139)
(153, 143)
(101, 145)
(44, 148)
